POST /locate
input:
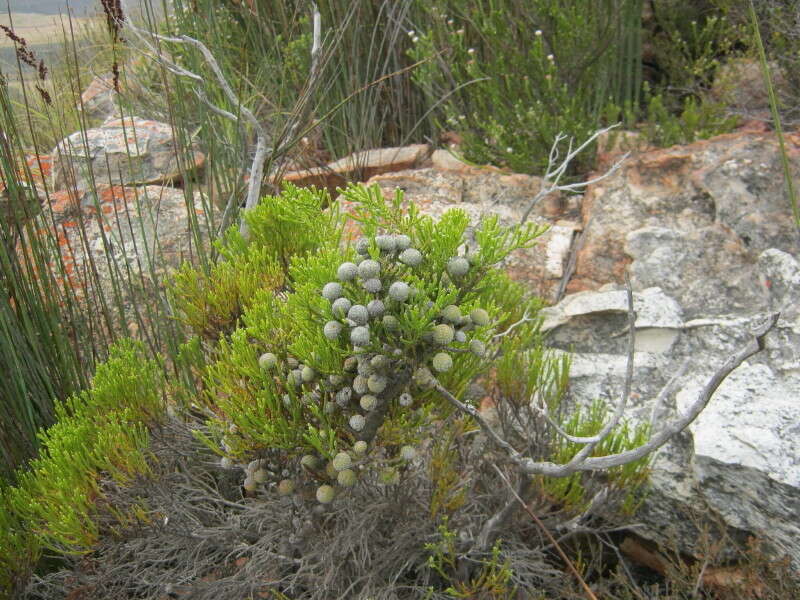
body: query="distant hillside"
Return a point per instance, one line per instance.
(54, 7)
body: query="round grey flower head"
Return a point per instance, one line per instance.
(442, 362)
(359, 314)
(423, 377)
(362, 246)
(359, 336)
(308, 374)
(368, 402)
(332, 329)
(373, 286)
(369, 269)
(376, 383)
(357, 422)
(399, 291)
(477, 347)
(346, 478)
(342, 461)
(347, 271)
(443, 334)
(408, 452)
(402, 241)
(379, 361)
(411, 257)
(365, 368)
(480, 317)
(451, 313)
(385, 243)
(292, 362)
(309, 461)
(336, 380)
(461, 336)
(267, 360)
(285, 487)
(360, 384)
(457, 266)
(405, 400)
(360, 447)
(340, 307)
(343, 397)
(325, 494)
(376, 309)
(332, 290)
(390, 322)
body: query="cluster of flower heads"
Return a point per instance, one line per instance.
(377, 370)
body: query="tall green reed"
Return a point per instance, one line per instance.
(56, 322)
(776, 118)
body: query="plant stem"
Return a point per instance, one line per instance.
(773, 106)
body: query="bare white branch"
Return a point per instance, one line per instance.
(582, 461)
(262, 150)
(592, 441)
(525, 319)
(551, 181)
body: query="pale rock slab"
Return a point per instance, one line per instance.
(130, 151)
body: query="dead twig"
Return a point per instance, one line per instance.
(548, 535)
(551, 180)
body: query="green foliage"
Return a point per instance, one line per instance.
(492, 581)
(362, 59)
(271, 409)
(697, 120)
(514, 75)
(100, 437)
(280, 227)
(630, 477)
(210, 304)
(688, 43)
(19, 549)
(44, 352)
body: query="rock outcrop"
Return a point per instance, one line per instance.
(707, 234)
(130, 151)
(359, 167)
(99, 101)
(134, 235)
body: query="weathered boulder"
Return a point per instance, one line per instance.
(710, 228)
(721, 199)
(739, 462)
(359, 167)
(130, 237)
(99, 101)
(707, 235)
(121, 152)
(486, 191)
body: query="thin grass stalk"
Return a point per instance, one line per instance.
(776, 119)
(37, 358)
